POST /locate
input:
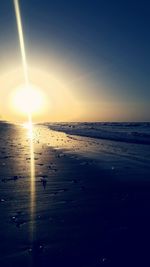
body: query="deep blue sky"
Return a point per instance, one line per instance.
(108, 40)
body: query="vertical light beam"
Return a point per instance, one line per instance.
(26, 78)
(21, 40)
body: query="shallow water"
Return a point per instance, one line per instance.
(106, 153)
(131, 132)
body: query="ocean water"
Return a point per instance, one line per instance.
(122, 148)
(131, 132)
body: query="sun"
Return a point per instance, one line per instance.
(28, 99)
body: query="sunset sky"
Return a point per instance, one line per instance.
(90, 59)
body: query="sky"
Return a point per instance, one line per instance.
(91, 58)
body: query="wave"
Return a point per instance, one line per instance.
(124, 132)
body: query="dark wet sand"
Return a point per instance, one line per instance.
(78, 215)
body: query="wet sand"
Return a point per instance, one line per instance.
(77, 211)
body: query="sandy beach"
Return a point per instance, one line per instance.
(88, 205)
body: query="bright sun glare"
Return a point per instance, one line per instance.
(28, 99)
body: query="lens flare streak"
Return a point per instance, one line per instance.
(32, 172)
(30, 128)
(21, 40)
